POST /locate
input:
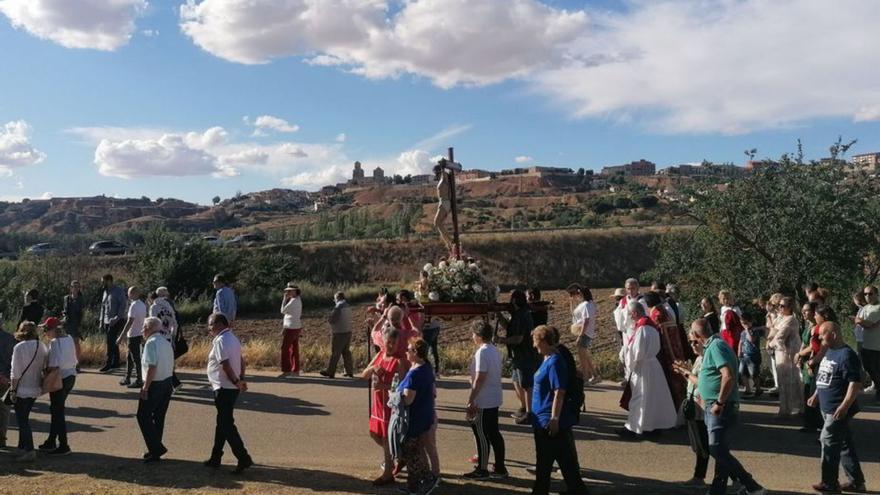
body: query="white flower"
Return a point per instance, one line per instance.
(433, 296)
(427, 267)
(441, 265)
(459, 264)
(477, 288)
(474, 267)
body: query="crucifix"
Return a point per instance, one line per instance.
(444, 173)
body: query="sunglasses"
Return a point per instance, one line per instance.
(869, 293)
(694, 342)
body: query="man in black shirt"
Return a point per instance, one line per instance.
(523, 357)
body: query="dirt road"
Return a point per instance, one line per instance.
(309, 435)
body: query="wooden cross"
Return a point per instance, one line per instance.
(452, 166)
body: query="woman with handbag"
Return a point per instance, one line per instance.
(61, 367)
(28, 360)
(692, 409)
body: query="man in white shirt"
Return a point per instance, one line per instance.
(291, 308)
(133, 331)
(157, 363)
(226, 375)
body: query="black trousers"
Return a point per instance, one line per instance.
(58, 426)
(151, 415)
(871, 363)
(225, 431)
(112, 333)
(488, 436)
(134, 358)
(702, 463)
(559, 448)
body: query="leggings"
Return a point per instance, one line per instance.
(488, 437)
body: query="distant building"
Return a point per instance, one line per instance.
(755, 165)
(641, 167)
(420, 180)
(869, 161)
(469, 175)
(378, 175)
(358, 177)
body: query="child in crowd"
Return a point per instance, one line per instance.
(750, 355)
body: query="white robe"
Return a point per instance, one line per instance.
(651, 405)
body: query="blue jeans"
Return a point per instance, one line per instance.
(23, 408)
(726, 466)
(838, 448)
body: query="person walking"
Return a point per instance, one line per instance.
(61, 357)
(870, 323)
(112, 319)
(33, 309)
(291, 308)
(161, 307)
(583, 326)
(524, 360)
(7, 345)
(697, 432)
(340, 337)
(225, 370)
(385, 369)
(552, 420)
(484, 402)
(155, 396)
(26, 376)
(417, 394)
(838, 384)
(786, 344)
(225, 302)
(718, 389)
(134, 333)
(72, 314)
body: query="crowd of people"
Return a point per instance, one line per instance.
(675, 374)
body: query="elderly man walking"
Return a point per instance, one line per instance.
(112, 319)
(157, 362)
(224, 300)
(717, 386)
(340, 345)
(226, 375)
(838, 384)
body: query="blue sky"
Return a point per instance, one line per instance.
(138, 98)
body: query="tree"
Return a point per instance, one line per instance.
(648, 201)
(581, 172)
(216, 200)
(398, 179)
(776, 230)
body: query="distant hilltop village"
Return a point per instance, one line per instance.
(642, 171)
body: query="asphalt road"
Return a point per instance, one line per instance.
(309, 435)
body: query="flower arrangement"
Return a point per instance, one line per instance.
(456, 281)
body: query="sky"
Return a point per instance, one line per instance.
(196, 98)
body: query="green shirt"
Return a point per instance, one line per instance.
(717, 355)
(871, 314)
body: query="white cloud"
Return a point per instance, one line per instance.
(448, 41)
(96, 24)
(292, 150)
(523, 159)
(150, 33)
(16, 149)
(170, 155)
(47, 195)
(341, 137)
(266, 123)
(867, 114)
(413, 162)
(723, 66)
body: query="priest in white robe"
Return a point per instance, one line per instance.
(622, 317)
(650, 407)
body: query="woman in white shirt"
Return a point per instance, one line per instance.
(483, 403)
(583, 326)
(28, 360)
(62, 356)
(291, 308)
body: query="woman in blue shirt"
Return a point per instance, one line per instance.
(417, 389)
(551, 419)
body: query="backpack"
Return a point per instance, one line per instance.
(574, 395)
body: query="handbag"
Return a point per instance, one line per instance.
(576, 329)
(627, 395)
(9, 396)
(181, 346)
(52, 382)
(689, 408)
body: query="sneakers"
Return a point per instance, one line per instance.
(499, 474)
(348, 375)
(325, 374)
(125, 382)
(211, 463)
(177, 388)
(477, 474)
(137, 384)
(519, 414)
(47, 446)
(595, 380)
(826, 488)
(850, 487)
(242, 465)
(870, 390)
(62, 450)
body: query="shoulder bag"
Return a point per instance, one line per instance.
(9, 396)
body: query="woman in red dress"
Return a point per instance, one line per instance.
(382, 372)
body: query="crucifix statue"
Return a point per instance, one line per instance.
(444, 173)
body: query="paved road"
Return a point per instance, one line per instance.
(309, 435)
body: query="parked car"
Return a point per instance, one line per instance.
(246, 240)
(101, 248)
(43, 249)
(212, 240)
